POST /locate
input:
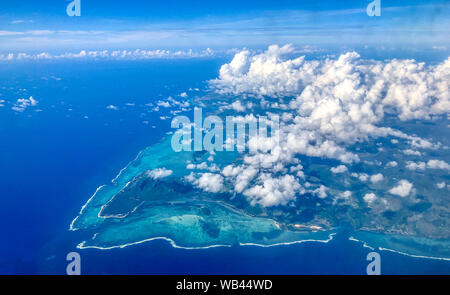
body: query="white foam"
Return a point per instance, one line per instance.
(398, 252)
(83, 207)
(172, 242)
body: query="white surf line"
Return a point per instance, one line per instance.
(398, 252)
(100, 187)
(81, 245)
(330, 238)
(83, 207)
(128, 165)
(119, 216)
(238, 211)
(415, 256)
(71, 227)
(365, 245)
(173, 244)
(109, 201)
(137, 157)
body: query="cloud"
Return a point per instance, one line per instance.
(209, 182)
(240, 176)
(361, 176)
(392, 164)
(365, 89)
(345, 195)
(376, 178)
(415, 166)
(237, 106)
(321, 191)
(164, 104)
(136, 54)
(440, 48)
(263, 74)
(273, 191)
(438, 164)
(326, 107)
(440, 185)
(24, 103)
(338, 102)
(431, 164)
(20, 21)
(10, 33)
(403, 188)
(159, 173)
(411, 152)
(339, 169)
(369, 198)
(203, 166)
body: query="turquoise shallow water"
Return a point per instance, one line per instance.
(188, 217)
(66, 163)
(134, 208)
(338, 256)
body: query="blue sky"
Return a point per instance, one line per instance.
(34, 26)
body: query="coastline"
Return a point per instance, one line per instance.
(381, 248)
(174, 245)
(366, 244)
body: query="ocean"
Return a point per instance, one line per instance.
(92, 119)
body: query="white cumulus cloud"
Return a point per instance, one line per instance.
(403, 188)
(159, 173)
(326, 106)
(209, 182)
(23, 103)
(339, 169)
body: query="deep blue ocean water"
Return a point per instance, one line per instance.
(53, 160)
